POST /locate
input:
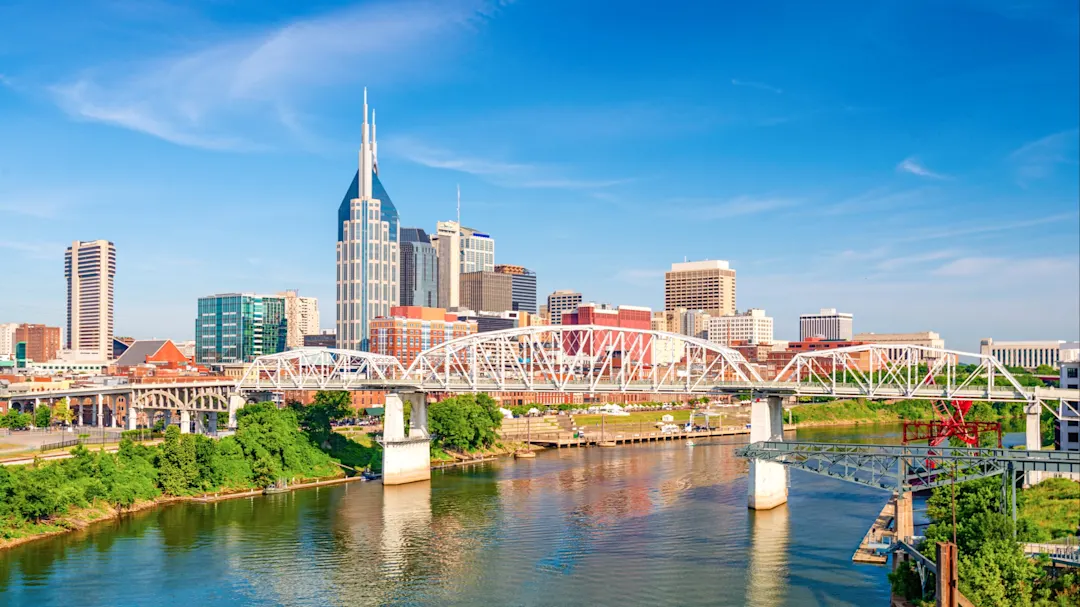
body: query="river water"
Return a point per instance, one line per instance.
(654, 524)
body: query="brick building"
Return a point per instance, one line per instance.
(409, 330)
(42, 342)
(625, 317)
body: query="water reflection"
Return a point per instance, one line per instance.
(768, 561)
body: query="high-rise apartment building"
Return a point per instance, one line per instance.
(750, 327)
(42, 342)
(237, 327)
(7, 339)
(460, 250)
(708, 286)
(409, 330)
(367, 248)
(301, 317)
(487, 291)
(559, 302)
(523, 285)
(90, 267)
(828, 324)
(419, 269)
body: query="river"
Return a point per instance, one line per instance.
(654, 524)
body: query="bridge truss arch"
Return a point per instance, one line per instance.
(321, 369)
(579, 358)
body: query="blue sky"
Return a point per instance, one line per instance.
(914, 163)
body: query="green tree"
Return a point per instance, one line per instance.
(62, 412)
(327, 406)
(1045, 370)
(466, 421)
(177, 468)
(42, 416)
(15, 420)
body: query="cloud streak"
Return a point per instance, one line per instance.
(741, 206)
(200, 99)
(757, 85)
(913, 166)
(1040, 158)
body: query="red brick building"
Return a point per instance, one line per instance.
(151, 354)
(42, 342)
(409, 330)
(627, 317)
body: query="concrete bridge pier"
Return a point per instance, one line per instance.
(1032, 438)
(236, 402)
(406, 458)
(768, 480)
(132, 417)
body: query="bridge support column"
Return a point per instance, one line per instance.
(185, 421)
(905, 520)
(132, 417)
(1032, 438)
(406, 459)
(99, 410)
(768, 480)
(235, 403)
(212, 421)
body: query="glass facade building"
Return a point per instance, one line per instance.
(237, 327)
(419, 269)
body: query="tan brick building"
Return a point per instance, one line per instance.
(708, 286)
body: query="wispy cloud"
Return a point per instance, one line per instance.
(987, 228)
(896, 263)
(1034, 267)
(1038, 159)
(880, 199)
(203, 98)
(757, 85)
(35, 250)
(736, 207)
(499, 172)
(645, 277)
(913, 166)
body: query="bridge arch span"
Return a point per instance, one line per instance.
(321, 369)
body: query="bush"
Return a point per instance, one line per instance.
(466, 421)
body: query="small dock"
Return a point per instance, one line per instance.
(559, 440)
(878, 538)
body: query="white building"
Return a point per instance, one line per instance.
(7, 339)
(90, 267)
(460, 250)
(301, 316)
(1069, 411)
(827, 324)
(928, 339)
(367, 248)
(751, 327)
(1030, 354)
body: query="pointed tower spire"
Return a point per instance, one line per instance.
(364, 178)
(374, 145)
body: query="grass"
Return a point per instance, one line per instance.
(1052, 507)
(648, 418)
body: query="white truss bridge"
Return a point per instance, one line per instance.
(597, 359)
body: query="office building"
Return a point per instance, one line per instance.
(301, 318)
(1030, 354)
(90, 267)
(460, 250)
(7, 339)
(42, 342)
(409, 330)
(828, 324)
(928, 339)
(1068, 422)
(367, 248)
(524, 287)
(419, 269)
(694, 323)
(708, 286)
(560, 302)
(750, 327)
(487, 291)
(326, 339)
(634, 346)
(237, 327)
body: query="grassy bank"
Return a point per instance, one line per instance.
(863, 411)
(635, 417)
(1051, 509)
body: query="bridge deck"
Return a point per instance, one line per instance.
(878, 536)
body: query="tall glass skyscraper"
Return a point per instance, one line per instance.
(367, 248)
(419, 269)
(237, 327)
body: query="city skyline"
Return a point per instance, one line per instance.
(939, 199)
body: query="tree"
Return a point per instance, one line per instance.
(178, 470)
(315, 419)
(62, 412)
(466, 421)
(15, 420)
(42, 416)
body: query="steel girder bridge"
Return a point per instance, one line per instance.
(591, 359)
(908, 468)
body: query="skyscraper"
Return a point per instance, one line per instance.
(301, 316)
(367, 248)
(524, 287)
(708, 286)
(460, 250)
(419, 269)
(828, 324)
(562, 301)
(237, 327)
(89, 267)
(487, 291)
